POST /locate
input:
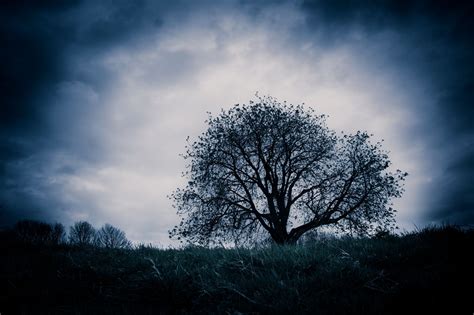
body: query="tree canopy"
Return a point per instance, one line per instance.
(277, 169)
(40, 233)
(109, 236)
(82, 233)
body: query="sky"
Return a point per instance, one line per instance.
(98, 97)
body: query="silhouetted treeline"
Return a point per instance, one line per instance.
(81, 233)
(40, 233)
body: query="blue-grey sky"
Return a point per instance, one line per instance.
(98, 97)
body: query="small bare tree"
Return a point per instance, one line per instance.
(109, 236)
(82, 233)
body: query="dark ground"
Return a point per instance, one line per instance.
(428, 272)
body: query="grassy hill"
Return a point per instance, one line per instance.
(429, 272)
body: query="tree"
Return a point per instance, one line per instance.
(58, 234)
(33, 232)
(39, 233)
(82, 233)
(277, 168)
(109, 236)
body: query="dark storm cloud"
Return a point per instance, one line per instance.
(36, 39)
(40, 41)
(28, 64)
(29, 60)
(436, 41)
(440, 34)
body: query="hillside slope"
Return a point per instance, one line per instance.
(427, 272)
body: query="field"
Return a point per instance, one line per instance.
(428, 272)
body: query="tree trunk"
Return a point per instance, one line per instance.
(284, 239)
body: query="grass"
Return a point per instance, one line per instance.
(430, 271)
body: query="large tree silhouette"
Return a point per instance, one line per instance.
(277, 168)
